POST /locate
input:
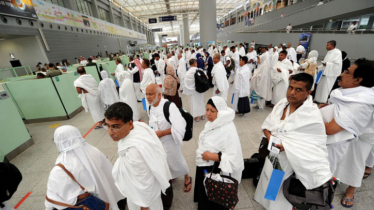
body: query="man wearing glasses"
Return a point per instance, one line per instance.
(350, 125)
(141, 171)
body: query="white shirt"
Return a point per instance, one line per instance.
(288, 28)
(300, 49)
(84, 62)
(352, 27)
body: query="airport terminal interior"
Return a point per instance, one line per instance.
(271, 104)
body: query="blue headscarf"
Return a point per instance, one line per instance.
(200, 62)
(198, 55)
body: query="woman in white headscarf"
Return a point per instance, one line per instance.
(88, 165)
(219, 145)
(311, 64)
(107, 90)
(127, 94)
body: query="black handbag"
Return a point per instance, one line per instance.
(301, 198)
(222, 193)
(244, 105)
(84, 201)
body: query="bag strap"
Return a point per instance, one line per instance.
(61, 204)
(71, 176)
(166, 111)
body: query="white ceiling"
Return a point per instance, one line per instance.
(144, 9)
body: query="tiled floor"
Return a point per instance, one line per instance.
(36, 162)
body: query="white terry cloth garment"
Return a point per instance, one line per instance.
(88, 165)
(197, 108)
(261, 80)
(280, 80)
(252, 56)
(148, 78)
(181, 72)
(127, 94)
(90, 101)
(138, 93)
(242, 51)
(352, 167)
(107, 90)
(370, 159)
(307, 158)
(220, 80)
(172, 143)
(274, 59)
(331, 71)
(244, 81)
(215, 138)
(291, 54)
(160, 64)
(141, 171)
(119, 70)
(353, 110)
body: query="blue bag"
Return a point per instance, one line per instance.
(272, 180)
(144, 104)
(318, 78)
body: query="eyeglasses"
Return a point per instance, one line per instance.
(115, 128)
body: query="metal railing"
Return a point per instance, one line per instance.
(27, 69)
(317, 30)
(246, 28)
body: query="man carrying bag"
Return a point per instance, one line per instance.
(295, 130)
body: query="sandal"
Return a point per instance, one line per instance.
(346, 201)
(98, 127)
(186, 185)
(366, 175)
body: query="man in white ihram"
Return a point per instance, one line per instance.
(289, 28)
(182, 70)
(221, 85)
(331, 68)
(252, 58)
(141, 172)
(241, 50)
(87, 89)
(349, 121)
(170, 134)
(119, 70)
(280, 77)
(197, 107)
(160, 64)
(300, 49)
(291, 52)
(261, 81)
(352, 28)
(296, 123)
(235, 56)
(148, 78)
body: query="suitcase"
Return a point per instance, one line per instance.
(251, 167)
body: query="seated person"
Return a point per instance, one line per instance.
(40, 76)
(53, 72)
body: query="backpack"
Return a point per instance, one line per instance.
(186, 116)
(201, 81)
(10, 178)
(231, 67)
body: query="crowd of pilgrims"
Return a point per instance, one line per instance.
(323, 130)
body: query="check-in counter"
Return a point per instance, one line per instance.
(48, 99)
(14, 136)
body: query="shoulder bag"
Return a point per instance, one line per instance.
(86, 201)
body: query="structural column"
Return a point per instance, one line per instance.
(95, 9)
(181, 35)
(159, 40)
(71, 4)
(207, 21)
(111, 16)
(186, 28)
(122, 18)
